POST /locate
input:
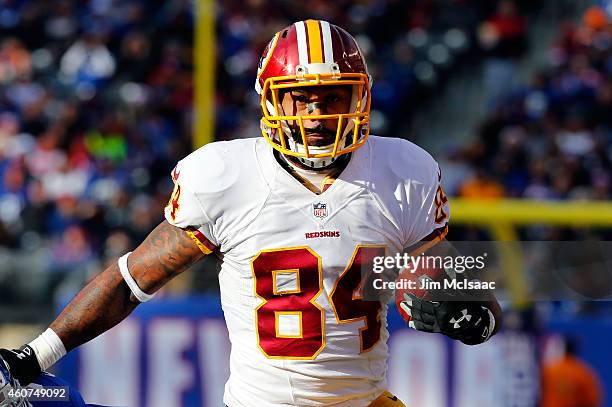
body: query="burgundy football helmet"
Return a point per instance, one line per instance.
(313, 53)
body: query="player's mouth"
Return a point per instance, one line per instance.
(320, 137)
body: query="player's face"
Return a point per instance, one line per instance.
(317, 101)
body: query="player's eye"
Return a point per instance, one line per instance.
(333, 98)
(300, 98)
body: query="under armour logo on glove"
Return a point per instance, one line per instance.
(457, 322)
(467, 321)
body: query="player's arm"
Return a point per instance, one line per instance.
(425, 224)
(108, 299)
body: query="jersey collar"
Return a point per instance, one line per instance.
(351, 182)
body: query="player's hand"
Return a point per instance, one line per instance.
(8, 385)
(22, 364)
(467, 321)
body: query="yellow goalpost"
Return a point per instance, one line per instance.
(500, 218)
(204, 56)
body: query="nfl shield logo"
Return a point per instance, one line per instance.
(319, 209)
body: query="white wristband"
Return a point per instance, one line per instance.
(138, 293)
(48, 348)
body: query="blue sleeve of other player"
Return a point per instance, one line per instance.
(48, 380)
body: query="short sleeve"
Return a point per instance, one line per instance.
(185, 211)
(429, 212)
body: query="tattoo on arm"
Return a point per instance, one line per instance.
(105, 301)
(102, 304)
(165, 253)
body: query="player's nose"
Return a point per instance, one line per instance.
(316, 108)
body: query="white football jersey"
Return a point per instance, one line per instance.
(292, 259)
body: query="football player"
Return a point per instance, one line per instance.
(294, 216)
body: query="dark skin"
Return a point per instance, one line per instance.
(322, 100)
(105, 301)
(168, 251)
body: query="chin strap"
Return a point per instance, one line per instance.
(292, 164)
(314, 163)
(317, 163)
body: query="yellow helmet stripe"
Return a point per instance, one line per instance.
(315, 42)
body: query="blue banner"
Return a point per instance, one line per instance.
(175, 352)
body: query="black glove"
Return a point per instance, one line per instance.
(467, 321)
(22, 363)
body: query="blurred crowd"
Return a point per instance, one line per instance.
(550, 138)
(412, 49)
(96, 108)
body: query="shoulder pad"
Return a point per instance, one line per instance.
(210, 168)
(225, 182)
(404, 161)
